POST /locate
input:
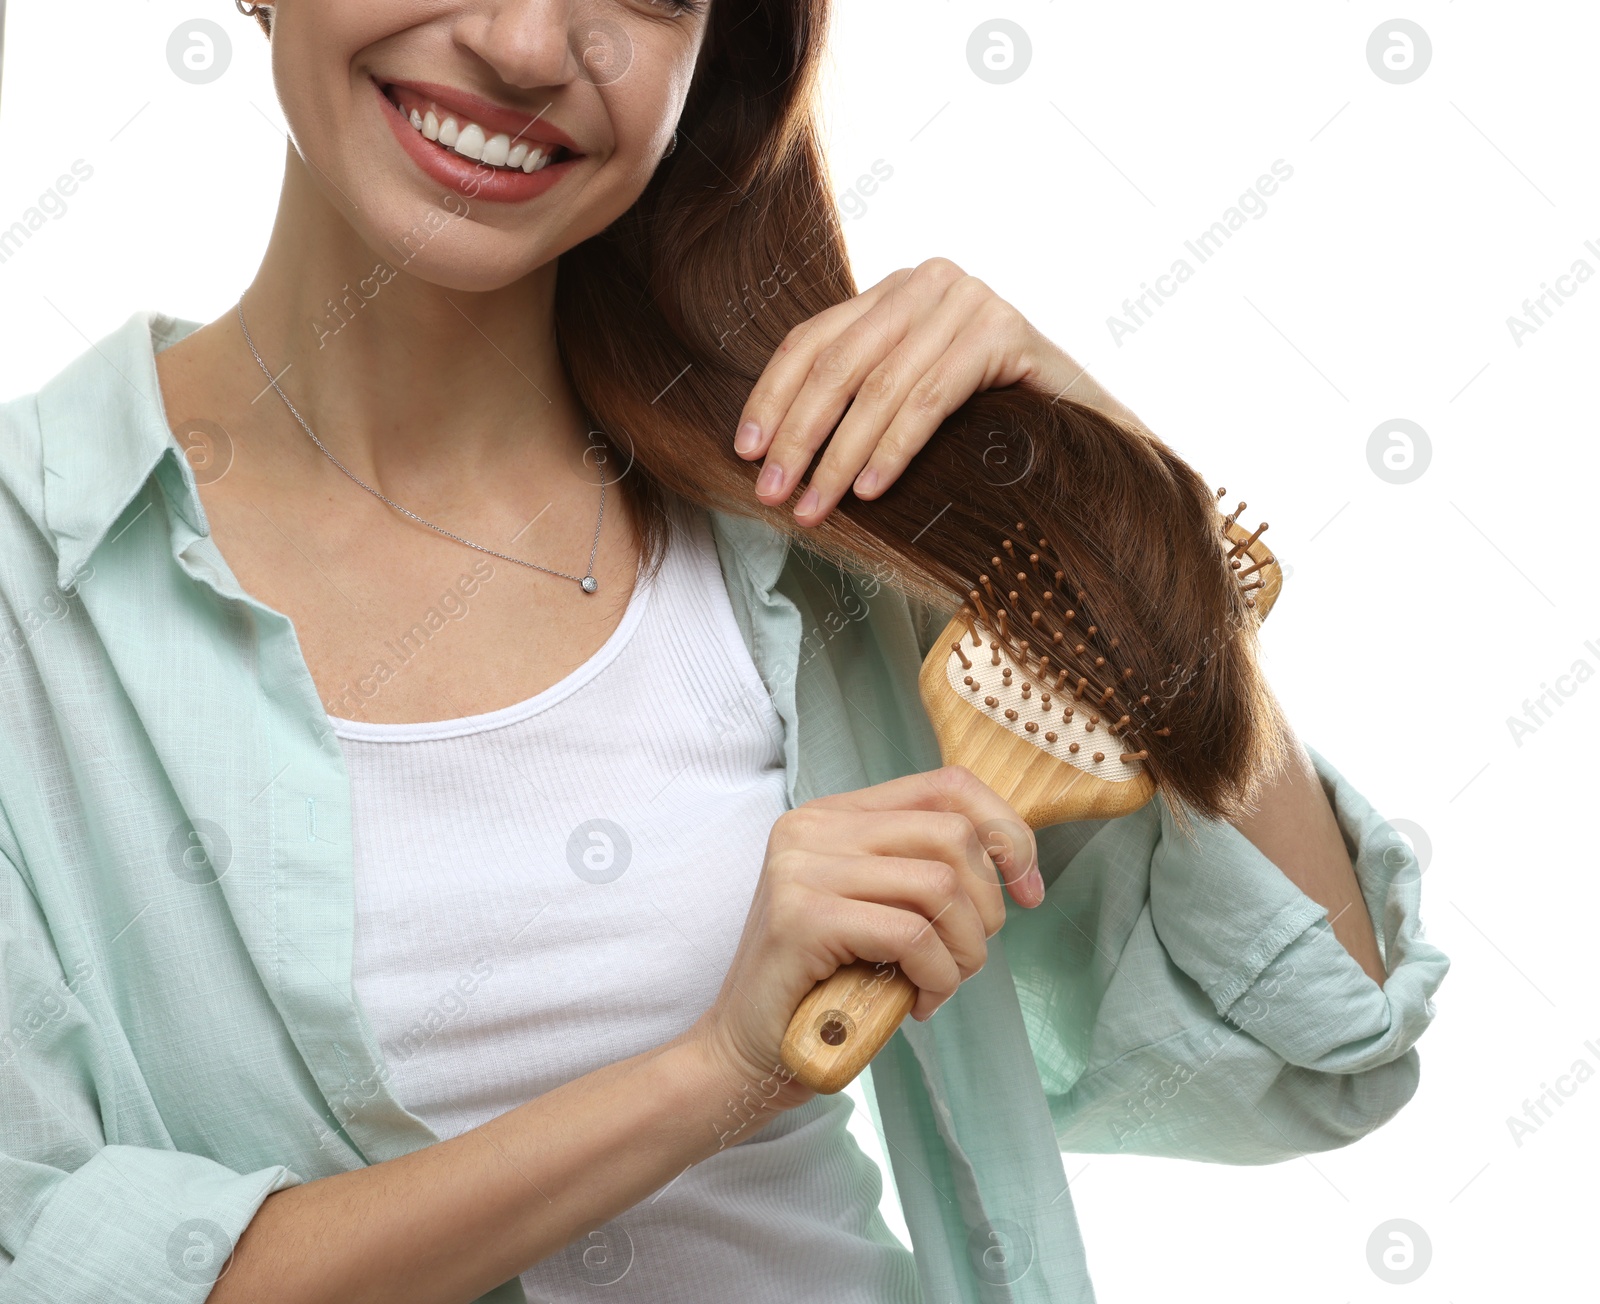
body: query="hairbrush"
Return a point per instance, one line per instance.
(1049, 735)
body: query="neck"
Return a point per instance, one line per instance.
(408, 383)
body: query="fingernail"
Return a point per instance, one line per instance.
(808, 503)
(748, 438)
(867, 481)
(770, 480)
(1035, 883)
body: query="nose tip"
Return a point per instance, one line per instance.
(529, 45)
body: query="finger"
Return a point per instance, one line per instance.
(933, 889)
(945, 837)
(899, 384)
(965, 368)
(825, 389)
(879, 933)
(785, 372)
(1007, 838)
(835, 378)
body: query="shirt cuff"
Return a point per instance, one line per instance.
(1264, 954)
(1223, 911)
(137, 1223)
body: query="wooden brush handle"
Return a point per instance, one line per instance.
(844, 1022)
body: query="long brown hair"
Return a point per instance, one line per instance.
(737, 240)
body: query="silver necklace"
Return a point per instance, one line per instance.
(586, 582)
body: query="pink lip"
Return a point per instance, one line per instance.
(467, 176)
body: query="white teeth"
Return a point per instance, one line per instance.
(496, 149)
(471, 141)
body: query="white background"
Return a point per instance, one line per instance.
(1417, 617)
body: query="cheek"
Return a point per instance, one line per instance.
(645, 102)
(318, 68)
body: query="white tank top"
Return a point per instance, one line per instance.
(548, 888)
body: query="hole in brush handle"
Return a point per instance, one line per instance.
(844, 1021)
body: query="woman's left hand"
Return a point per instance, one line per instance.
(901, 357)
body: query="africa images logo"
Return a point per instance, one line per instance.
(1251, 205)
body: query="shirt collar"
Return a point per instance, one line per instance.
(103, 431)
(760, 549)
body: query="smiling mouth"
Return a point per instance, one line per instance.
(455, 133)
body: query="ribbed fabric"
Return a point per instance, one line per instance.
(549, 888)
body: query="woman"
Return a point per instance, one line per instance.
(384, 920)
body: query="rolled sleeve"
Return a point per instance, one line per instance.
(1185, 998)
(129, 1223)
(83, 1221)
(1226, 914)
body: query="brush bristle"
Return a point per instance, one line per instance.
(1077, 677)
(1054, 714)
(1240, 552)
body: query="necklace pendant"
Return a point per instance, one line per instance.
(589, 584)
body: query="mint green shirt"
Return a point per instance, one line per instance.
(179, 1036)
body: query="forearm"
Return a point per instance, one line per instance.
(1294, 827)
(453, 1220)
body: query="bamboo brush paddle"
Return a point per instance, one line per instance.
(1045, 736)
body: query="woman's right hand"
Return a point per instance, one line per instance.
(908, 871)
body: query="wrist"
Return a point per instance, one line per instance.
(1066, 378)
(736, 1099)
